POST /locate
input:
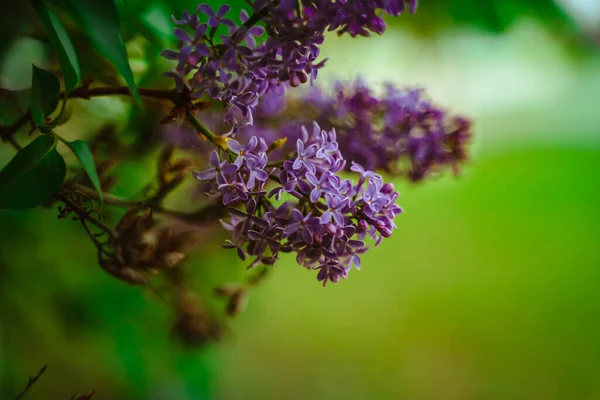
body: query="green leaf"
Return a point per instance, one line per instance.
(84, 154)
(61, 43)
(45, 92)
(33, 175)
(100, 20)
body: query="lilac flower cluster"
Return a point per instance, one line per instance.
(401, 132)
(311, 211)
(236, 70)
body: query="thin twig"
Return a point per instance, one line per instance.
(203, 214)
(204, 131)
(32, 381)
(108, 198)
(84, 92)
(83, 214)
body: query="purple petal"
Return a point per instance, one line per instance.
(312, 178)
(254, 235)
(315, 195)
(200, 31)
(322, 274)
(260, 222)
(206, 9)
(182, 35)
(205, 175)
(304, 186)
(306, 235)
(310, 151)
(339, 218)
(251, 180)
(326, 217)
(261, 175)
(300, 146)
(260, 248)
(297, 215)
(169, 54)
(214, 158)
(223, 10)
(291, 228)
(229, 23)
(229, 168)
(297, 164)
(235, 146)
(252, 143)
(212, 21)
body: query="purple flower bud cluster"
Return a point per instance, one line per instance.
(401, 132)
(236, 70)
(312, 211)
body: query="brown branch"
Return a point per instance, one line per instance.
(83, 214)
(84, 92)
(108, 198)
(32, 381)
(204, 214)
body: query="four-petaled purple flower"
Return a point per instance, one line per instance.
(331, 271)
(326, 184)
(214, 19)
(306, 225)
(244, 152)
(336, 206)
(304, 156)
(218, 170)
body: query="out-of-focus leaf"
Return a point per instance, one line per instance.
(100, 20)
(84, 154)
(15, 69)
(61, 43)
(436, 16)
(45, 92)
(155, 26)
(13, 104)
(33, 175)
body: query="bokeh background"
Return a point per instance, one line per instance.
(487, 290)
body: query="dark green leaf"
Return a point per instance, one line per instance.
(100, 20)
(33, 175)
(83, 152)
(45, 92)
(61, 43)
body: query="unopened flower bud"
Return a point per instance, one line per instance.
(363, 225)
(331, 229)
(386, 232)
(388, 188)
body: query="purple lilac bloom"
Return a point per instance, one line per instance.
(238, 68)
(401, 132)
(327, 219)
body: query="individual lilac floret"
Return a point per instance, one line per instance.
(325, 224)
(220, 168)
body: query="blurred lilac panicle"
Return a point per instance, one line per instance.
(400, 132)
(236, 69)
(326, 222)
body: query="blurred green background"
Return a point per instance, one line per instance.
(488, 289)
